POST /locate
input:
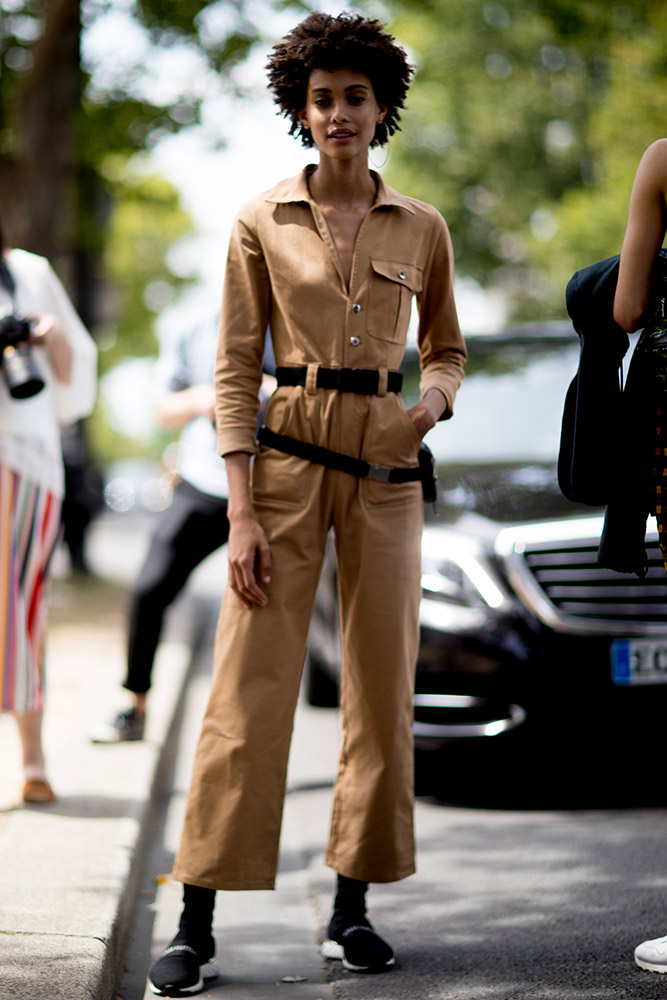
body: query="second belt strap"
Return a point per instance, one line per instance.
(336, 460)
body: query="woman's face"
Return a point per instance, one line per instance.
(341, 112)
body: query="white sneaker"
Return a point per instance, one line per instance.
(652, 955)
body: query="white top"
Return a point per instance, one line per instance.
(186, 359)
(30, 428)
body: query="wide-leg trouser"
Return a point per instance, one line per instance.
(234, 810)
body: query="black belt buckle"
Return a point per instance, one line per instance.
(363, 381)
(380, 473)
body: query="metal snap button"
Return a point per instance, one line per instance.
(402, 275)
(356, 308)
(355, 341)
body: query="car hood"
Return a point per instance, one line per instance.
(508, 492)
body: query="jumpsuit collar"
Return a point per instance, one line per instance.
(295, 189)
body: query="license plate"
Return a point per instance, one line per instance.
(639, 661)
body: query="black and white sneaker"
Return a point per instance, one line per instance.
(125, 727)
(181, 969)
(360, 948)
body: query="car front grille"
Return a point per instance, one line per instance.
(555, 572)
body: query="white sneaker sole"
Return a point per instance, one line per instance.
(210, 970)
(331, 949)
(650, 966)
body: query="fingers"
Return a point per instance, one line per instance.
(249, 569)
(263, 573)
(243, 583)
(45, 325)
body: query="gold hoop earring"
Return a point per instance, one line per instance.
(379, 166)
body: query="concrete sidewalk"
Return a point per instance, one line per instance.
(68, 870)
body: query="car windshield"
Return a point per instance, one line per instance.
(498, 456)
(510, 405)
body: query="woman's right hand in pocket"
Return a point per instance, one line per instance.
(249, 561)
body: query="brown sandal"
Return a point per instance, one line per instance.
(37, 790)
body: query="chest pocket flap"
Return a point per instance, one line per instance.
(393, 284)
(408, 275)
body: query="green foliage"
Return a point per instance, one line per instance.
(146, 221)
(522, 114)
(590, 221)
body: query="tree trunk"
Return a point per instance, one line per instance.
(38, 183)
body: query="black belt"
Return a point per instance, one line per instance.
(365, 381)
(335, 460)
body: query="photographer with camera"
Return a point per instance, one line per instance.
(47, 380)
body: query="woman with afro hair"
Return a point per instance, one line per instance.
(330, 260)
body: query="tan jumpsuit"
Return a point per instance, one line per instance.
(283, 271)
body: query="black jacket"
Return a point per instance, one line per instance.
(608, 431)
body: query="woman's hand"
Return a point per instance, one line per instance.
(248, 549)
(249, 561)
(49, 334)
(427, 411)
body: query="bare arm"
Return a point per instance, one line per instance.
(647, 221)
(49, 334)
(249, 558)
(177, 409)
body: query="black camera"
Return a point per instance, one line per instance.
(16, 362)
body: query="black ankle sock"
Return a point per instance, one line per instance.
(349, 906)
(197, 917)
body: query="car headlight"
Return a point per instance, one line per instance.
(455, 569)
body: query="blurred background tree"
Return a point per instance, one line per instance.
(60, 123)
(526, 122)
(525, 125)
(73, 130)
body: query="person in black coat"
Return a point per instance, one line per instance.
(608, 439)
(638, 305)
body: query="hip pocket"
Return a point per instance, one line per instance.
(280, 480)
(391, 440)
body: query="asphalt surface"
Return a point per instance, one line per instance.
(522, 891)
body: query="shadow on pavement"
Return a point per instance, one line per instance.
(540, 770)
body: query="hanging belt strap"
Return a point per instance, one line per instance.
(364, 381)
(335, 460)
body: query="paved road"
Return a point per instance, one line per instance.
(508, 903)
(514, 903)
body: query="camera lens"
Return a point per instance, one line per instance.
(21, 375)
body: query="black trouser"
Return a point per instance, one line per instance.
(194, 526)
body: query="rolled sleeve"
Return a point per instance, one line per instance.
(441, 345)
(244, 320)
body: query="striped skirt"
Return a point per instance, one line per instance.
(29, 527)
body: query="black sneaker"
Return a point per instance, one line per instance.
(181, 969)
(126, 726)
(360, 948)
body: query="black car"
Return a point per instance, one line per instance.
(521, 631)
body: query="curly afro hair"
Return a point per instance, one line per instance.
(349, 41)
